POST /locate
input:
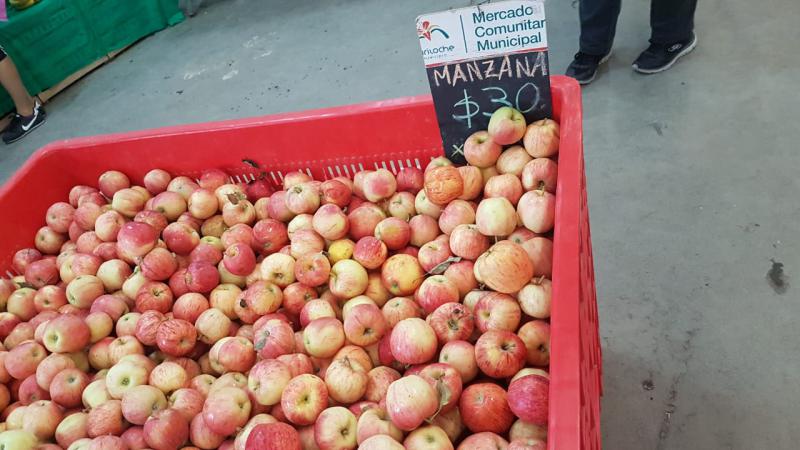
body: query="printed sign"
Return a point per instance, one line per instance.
(481, 58)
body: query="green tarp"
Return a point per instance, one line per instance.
(55, 38)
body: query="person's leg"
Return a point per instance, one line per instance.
(30, 114)
(598, 25)
(672, 23)
(672, 20)
(9, 78)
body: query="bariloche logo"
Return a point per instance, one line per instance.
(425, 31)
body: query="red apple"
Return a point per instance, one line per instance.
(542, 138)
(401, 274)
(496, 217)
(534, 299)
(426, 437)
(41, 418)
(113, 273)
(378, 381)
(410, 401)
(399, 308)
(376, 422)
(201, 277)
(312, 269)
(335, 192)
(500, 354)
(152, 218)
(365, 325)
(363, 220)
(528, 398)
(188, 401)
(335, 428)
(370, 252)
(505, 267)
(304, 398)
(22, 361)
(323, 337)
(537, 209)
(176, 337)
(461, 356)
(394, 232)
(410, 179)
(513, 160)
(135, 240)
(496, 311)
(274, 338)
(106, 418)
(527, 444)
(443, 184)
(316, 309)
(157, 180)
(483, 441)
(413, 341)
(456, 213)
(451, 322)
(154, 296)
(112, 181)
(67, 386)
(484, 407)
(346, 380)
(536, 336)
(71, 428)
(166, 429)
(159, 264)
(436, 291)
(447, 383)
(168, 377)
(226, 409)
(423, 229)
(434, 253)
(480, 150)
(27, 391)
(189, 307)
(540, 174)
(278, 268)
(540, 251)
(273, 436)
(140, 402)
(348, 279)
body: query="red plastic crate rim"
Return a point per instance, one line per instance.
(339, 141)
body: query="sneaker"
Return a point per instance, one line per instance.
(584, 67)
(20, 126)
(660, 57)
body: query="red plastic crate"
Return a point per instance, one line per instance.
(340, 141)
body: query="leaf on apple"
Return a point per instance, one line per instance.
(441, 267)
(444, 394)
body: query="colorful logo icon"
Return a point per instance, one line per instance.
(425, 31)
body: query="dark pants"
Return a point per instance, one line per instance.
(670, 21)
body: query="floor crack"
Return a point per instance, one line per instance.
(669, 409)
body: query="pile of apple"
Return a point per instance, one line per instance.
(383, 312)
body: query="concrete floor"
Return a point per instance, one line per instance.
(692, 175)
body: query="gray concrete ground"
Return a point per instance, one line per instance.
(692, 182)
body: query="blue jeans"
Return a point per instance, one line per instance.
(670, 21)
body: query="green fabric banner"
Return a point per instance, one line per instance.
(53, 39)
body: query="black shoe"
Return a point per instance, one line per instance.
(584, 67)
(660, 57)
(20, 126)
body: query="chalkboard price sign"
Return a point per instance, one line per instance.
(481, 58)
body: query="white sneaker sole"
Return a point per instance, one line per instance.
(683, 52)
(602, 61)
